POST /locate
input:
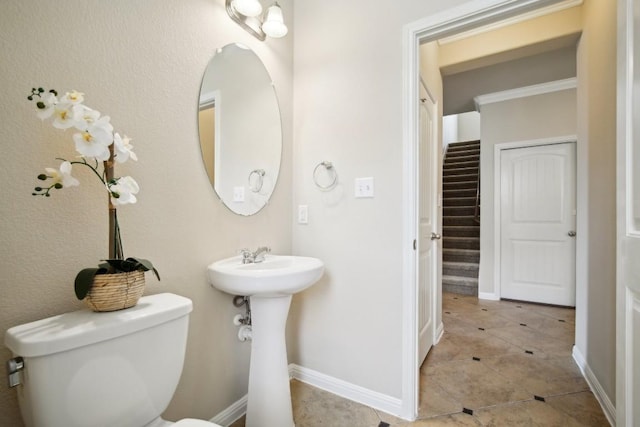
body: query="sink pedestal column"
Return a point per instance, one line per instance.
(269, 396)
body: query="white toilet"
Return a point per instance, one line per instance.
(116, 369)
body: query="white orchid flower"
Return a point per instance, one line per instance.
(123, 190)
(84, 116)
(72, 97)
(63, 117)
(49, 100)
(123, 150)
(62, 175)
(95, 140)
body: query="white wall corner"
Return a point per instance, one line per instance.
(232, 413)
(608, 407)
(373, 399)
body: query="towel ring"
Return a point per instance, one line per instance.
(259, 181)
(328, 166)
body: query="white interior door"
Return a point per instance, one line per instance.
(628, 219)
(428, 242)
(537, 214)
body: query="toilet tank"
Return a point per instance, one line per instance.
(119, 368)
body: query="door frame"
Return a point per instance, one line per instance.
(627, 111)
(497, 214)
(444, 23)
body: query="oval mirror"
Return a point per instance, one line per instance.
(240, 129)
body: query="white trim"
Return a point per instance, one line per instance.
(447, 22)
(373, 399)
(554, 8)
(491, 296)
(497, 218)
(525, 91)
(624, 225)
(439, 333)
(598, 391)
(232, 413)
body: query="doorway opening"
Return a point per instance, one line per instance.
(431, 29)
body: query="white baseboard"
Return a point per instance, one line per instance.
(488, 296)
(373, 399)
(608, 407)
(439, 333)
(232, 413)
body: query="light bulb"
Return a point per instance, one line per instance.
(273, 25)
(247, 7)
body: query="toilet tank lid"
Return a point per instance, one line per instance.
(79, 328)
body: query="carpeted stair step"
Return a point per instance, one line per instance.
(467, 152)
(461, 171)
(459, 220)
(461, 255)
(460, 269)
(461, 242)
(462, 177)
(464, 144)
(462, 192)
(461, 164)
(461, 230)
(459, 210)
(460, 285)
(466, 155)
(459, 201)
(456, 185)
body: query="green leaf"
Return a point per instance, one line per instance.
(131, 264)
(84, 281)
(146, 265)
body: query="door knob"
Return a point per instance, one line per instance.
(435, 236)
(572, 234)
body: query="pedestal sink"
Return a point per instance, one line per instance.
(270, 285)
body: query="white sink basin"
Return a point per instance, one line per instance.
(277, 275)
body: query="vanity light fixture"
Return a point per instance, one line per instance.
(247, 13)
(247, 7)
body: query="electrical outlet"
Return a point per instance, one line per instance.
(303, 214)
(364, 187)
(238, 194)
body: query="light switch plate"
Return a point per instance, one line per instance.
(303, 214)
(364, 187)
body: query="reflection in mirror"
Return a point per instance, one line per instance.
(240, 129)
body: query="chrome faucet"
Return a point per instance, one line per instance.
(249, 257)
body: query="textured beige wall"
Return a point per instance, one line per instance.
(348, 110)
(141, 63)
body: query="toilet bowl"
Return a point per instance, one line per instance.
(119, 368)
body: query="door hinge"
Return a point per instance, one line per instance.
(415, 244)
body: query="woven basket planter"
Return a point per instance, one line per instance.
(111, 292)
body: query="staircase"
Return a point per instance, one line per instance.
(461, 219)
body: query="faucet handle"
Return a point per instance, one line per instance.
(258, 255)
(246, 255)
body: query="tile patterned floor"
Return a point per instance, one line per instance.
(499, 363)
